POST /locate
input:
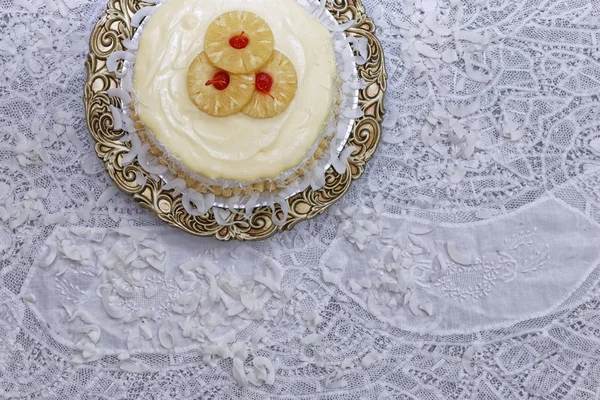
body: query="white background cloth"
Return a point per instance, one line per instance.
(464, 264)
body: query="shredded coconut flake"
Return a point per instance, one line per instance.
(139, 16)
(136, 367)
(456, 255)
(311, 339)
(239, 374)
(370, 359)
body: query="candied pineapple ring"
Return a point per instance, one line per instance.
(239, 42)
(216, 92)
(275, 88)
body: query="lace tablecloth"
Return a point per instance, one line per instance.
(464, 264)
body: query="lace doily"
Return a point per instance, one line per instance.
(464, 264)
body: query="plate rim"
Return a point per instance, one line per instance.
(114, 26)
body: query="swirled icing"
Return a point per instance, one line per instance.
(238, 147)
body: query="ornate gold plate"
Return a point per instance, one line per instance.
(114, 26)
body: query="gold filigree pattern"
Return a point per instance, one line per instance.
(114, 26)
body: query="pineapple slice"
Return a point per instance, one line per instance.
(239, 42)
(275, 88)
(216, 92)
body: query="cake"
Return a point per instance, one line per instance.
(235, 94)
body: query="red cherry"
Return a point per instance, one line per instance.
(239, 42)
(263, 83)
(220, 81)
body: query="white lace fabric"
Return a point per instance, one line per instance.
(464, 264)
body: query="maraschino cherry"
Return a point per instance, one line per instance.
(220, 81)
(263, 83)
(239, 41)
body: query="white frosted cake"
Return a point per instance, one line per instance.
(249, 113)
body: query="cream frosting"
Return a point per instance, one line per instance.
(238, 147)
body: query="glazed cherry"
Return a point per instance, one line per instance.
(220, 81)
(239, 42)
(263, 83)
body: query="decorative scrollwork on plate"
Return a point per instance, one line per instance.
(114, 26)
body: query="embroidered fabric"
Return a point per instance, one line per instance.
(462, 265)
